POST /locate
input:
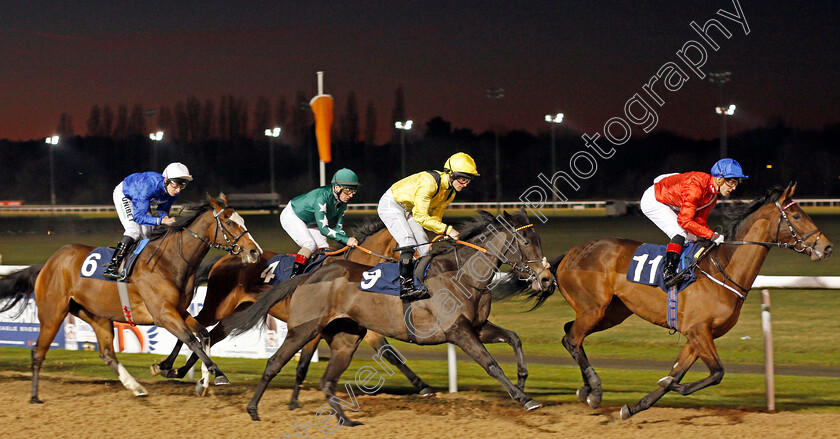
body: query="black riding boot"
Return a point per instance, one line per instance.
(407, 289)
(672, 259)
(112, 270)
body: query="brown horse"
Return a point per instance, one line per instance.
(328, 303)
(159, 291)
(232, 285)
(592, 278)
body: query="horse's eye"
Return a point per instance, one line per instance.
(526, 242)
(796, 216)
(228, 223)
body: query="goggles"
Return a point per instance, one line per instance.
(179, 182)
(732, 182)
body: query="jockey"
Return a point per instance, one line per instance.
(307, 217)
(143, 202)
(416, 203)
(679, 204)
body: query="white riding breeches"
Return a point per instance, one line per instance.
(399, 221)
(126, 213)
(663, 215)
(304, 236)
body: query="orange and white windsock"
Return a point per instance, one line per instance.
(322, 106)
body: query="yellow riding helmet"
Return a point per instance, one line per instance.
(461, 163)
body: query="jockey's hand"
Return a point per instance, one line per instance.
(717, 238)
(453, 233)
(352, 242)
(167, 220)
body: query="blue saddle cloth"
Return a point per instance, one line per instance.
(648, 263)
(279, 268)
(384, 278)
(95, 261)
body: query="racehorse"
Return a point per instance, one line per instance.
(159, 291)
(592, 278)
(328, 303)
(232, 285)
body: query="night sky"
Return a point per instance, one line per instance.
(585, 59)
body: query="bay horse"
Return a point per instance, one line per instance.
(232, 286)
(592, 278)
(159, 291)
(327, 303)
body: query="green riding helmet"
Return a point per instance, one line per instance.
(345, 178)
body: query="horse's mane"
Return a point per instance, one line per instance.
(188, 214)
(478, 225)
(734, 216)
(366, 228)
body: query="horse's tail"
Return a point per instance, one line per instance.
(241, 321)
(202, 273)
(17, 287)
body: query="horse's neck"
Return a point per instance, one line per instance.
(477, 270)
(743, 262)
(184, 251)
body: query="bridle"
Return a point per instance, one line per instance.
(232, 247)
(799, 244)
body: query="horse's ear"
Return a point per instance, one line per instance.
(507, 216)
(524, 214)
(223, 197)
(792, 189)
(214, 203)
(485, 215)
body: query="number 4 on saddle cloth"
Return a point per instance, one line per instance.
(279, 268)
(648, 263)
(95, 261)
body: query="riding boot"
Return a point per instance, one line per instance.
(112, 269)
(408, 291)
(300, 264)
(672, 261)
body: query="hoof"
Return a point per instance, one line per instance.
(531, 405)
(35, 400)
(665, 382)
(625, 413)
(154, 370)
(140, 392)
(200, 388)
(294, 405)
(253, 413)
(593, 401)
(348, 423)
(582, 394)
(427, 391)
(221, 380)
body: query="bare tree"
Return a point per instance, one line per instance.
(300, 116)
(65, 125)
(350, 120)
(120, 131)
(207, 120)
(193, 116)
(94, 121)
(370, 124)
(182, 131)
(281, 113)
(137, 121)
(262, 116)
(107, 121)
(398, 113)
(166, 122)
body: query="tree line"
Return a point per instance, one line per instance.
(226, 150)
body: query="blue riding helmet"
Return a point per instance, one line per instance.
(727, 168)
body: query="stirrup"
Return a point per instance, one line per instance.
(414, 294)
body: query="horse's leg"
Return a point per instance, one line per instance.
(685, 359)
(378, 342)
(164, 368)
(50, 319)
(342, 346)
(104, 329)
(589, 319)
(302, 368)
(295, 339)
(464, 336)
(170, 320)
(490, 333)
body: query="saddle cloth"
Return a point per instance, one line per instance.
(279, 268)
(95, 261)
(384, 278)
(648, 263)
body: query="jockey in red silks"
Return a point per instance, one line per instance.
(679, 204)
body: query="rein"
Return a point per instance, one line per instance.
(799, 245)
(370, 252)
(232, 247)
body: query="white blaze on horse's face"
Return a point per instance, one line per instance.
(247, 257)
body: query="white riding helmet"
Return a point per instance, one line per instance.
(177, 170)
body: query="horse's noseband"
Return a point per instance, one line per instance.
(232, 247)
(799, 240)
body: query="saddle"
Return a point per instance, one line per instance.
(95, 261)
(384, 277)
(648, 263)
